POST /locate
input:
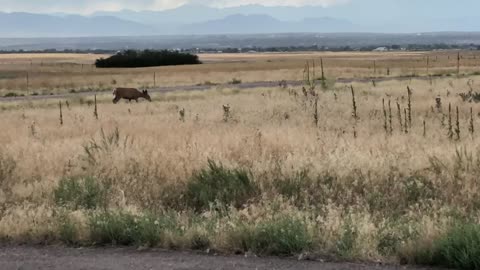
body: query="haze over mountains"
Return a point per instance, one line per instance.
(386, 16)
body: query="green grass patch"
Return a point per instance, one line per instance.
(235, 81)
(118, 228)
(217, 184)
(113, 228)
(11, 94)
(459, 248)
(81, 193)
(284, 236)
(68, 233)
(346, 243)
(393, 234)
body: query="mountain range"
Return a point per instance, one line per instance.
(376, 16)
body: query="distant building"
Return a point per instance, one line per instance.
(381, 49)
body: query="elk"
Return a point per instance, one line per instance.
(130, 93)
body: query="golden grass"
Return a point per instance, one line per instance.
(382, 185)
(376, 197)
(56, 73)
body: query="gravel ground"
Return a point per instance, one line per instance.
(62, 258)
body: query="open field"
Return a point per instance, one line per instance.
(57, 73)
(277, 171)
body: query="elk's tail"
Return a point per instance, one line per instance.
(114, 92)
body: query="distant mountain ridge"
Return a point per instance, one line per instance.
(22, 24)
(260, 23)
(369, 15)
(61, 25)
(358, 11)
(375, 16)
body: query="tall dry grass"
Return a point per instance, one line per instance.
(57, 73)
(373, 196)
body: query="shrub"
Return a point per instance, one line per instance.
(346, 243)
(67, 230)
(209, 83)
(283, 236)
(235, 81)
(459, 248)
(81, 192)
(219, 184)
(294, 187)
(127, 229)
(470, 96)
(418, 188)
(106, 145)
(393, 234)
(286, 236)
(149, 229)
(7, 168)
(147, 58)
(199, 241)
(112, 228)
(11, 94)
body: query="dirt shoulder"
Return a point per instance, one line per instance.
(60, 258)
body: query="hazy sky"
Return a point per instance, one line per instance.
(89, 6)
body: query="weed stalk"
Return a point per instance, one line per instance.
(399, 111)
(390, 116)
(409, 92)
(450, 126)
(471, 127)
(406, 121)
(457, 126)
(95, 111)
(385, 126)
(61, 114)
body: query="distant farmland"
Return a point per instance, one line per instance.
(326, 40)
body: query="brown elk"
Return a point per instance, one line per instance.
(130, 93)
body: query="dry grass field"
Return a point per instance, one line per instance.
(58, 73)
(275, 172)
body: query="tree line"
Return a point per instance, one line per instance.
(147, 58)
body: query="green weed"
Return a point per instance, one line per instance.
(219, 184)
(81, 192)
(283, 236)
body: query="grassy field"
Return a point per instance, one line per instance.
(280, 172)
(58, 73)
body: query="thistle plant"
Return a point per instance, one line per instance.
(409, 92)
(457, 126)
(182, 114)
(61, 114)
(390, 117)
(226, 112)
(385, 126)
(450, 126)
(471, 127)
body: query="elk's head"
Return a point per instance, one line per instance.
(146, 95)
